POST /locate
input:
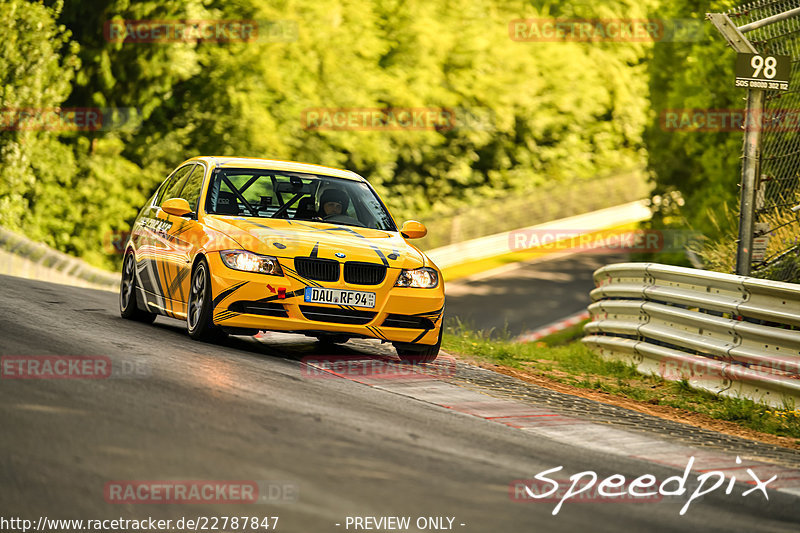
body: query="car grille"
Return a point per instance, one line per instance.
(407, 321)
(258, 308)
(317, 269)
(364, 273)
(338, 316)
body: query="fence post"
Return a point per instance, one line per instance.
(751, 147)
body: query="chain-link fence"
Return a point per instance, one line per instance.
(777, 186)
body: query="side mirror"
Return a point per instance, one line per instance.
(413, 230)
(176, 206)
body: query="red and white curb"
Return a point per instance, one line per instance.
(574, 431)
(553, 327)
(568, 430)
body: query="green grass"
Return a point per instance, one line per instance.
(566, 360)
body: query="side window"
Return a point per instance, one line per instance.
(173, 185)
(192, 185)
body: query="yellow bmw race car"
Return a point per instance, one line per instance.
(240, 245)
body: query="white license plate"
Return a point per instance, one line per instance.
(340, 297)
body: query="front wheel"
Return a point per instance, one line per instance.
(198, 317)
(420, 353)
(128, 307)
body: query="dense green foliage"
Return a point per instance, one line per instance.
(540, 111)
(695, 172)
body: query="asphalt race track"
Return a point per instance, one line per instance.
(249, 409)
(526, 296)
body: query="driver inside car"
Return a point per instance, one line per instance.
(333, 202)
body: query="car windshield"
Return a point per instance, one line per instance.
(296, 196)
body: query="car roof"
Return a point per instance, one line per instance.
(275, 164)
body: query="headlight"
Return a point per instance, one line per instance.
(420, 278)
(250, 262)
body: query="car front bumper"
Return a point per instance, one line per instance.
(257, 301)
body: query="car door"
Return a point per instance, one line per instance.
(153, 243)
(183, 236)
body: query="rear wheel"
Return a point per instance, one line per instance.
(128, 307)
(198, 319)
(420, 353)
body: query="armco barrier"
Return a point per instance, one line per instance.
(728, 334)
(22, 257)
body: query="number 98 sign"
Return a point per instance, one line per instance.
(756, 71)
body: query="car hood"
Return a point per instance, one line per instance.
(295, 238)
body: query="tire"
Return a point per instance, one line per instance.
(420, 353)
(199, 311)
(128, 308)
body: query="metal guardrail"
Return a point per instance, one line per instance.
(728, 334)
(23, 257)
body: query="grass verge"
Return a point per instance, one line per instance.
(563, 359)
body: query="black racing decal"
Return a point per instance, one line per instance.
(328, 230)
(297, 277)
(181, 229)
(374, 248)
(424, 332)
(177, 282)
(380, 254)
(264, 226)
(152, 281)
(224, 315)
(227, 292)
(377, 332)
(314, 251)
(157, 225)
(430, 313)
